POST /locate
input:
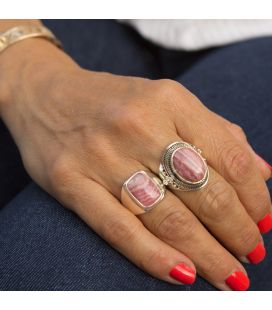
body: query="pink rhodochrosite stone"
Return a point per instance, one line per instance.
(189, 165)
(144, 189)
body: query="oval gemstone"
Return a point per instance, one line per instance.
(144, 189)
(188, 164)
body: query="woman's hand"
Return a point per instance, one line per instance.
(81, 134)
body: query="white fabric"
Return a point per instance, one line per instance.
(195, 34)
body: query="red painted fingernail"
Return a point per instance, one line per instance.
(257, 255)
(183, 274)
(265, 225)
(238, 281)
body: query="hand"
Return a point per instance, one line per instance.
(81, 134)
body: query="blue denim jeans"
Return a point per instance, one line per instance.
(43, 246)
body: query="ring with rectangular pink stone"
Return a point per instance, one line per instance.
(183, 168)
(142, 192)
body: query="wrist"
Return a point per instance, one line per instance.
(25, 64)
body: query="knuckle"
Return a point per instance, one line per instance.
(129, 118)
(60, 173)
(175, 224)
(154, 260)
(213, 264)
(167, 88)
(249, 237)
(117, 229)
(173, 96)
(168, 84)
(237, 130)
(237, 163)
(63, 180)
(261, 203)
(215, 202)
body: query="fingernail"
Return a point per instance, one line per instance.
(265, 162)
(257, 255)
(265, 225)
(183, 274)
(238, 281)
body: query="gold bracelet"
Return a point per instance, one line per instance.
(19, 33)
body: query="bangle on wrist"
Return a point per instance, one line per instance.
(22, 32)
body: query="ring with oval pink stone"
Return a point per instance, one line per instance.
(183, 168)
(142, 192)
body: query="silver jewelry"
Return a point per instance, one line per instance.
(183, 168)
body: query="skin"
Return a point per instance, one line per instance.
(81, 134)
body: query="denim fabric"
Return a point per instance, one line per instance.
(46, 247)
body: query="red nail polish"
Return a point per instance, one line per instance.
(238, 281)
(265, 225)
(257, 255)
(183, 274)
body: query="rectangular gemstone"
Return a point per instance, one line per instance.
(142, 187)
